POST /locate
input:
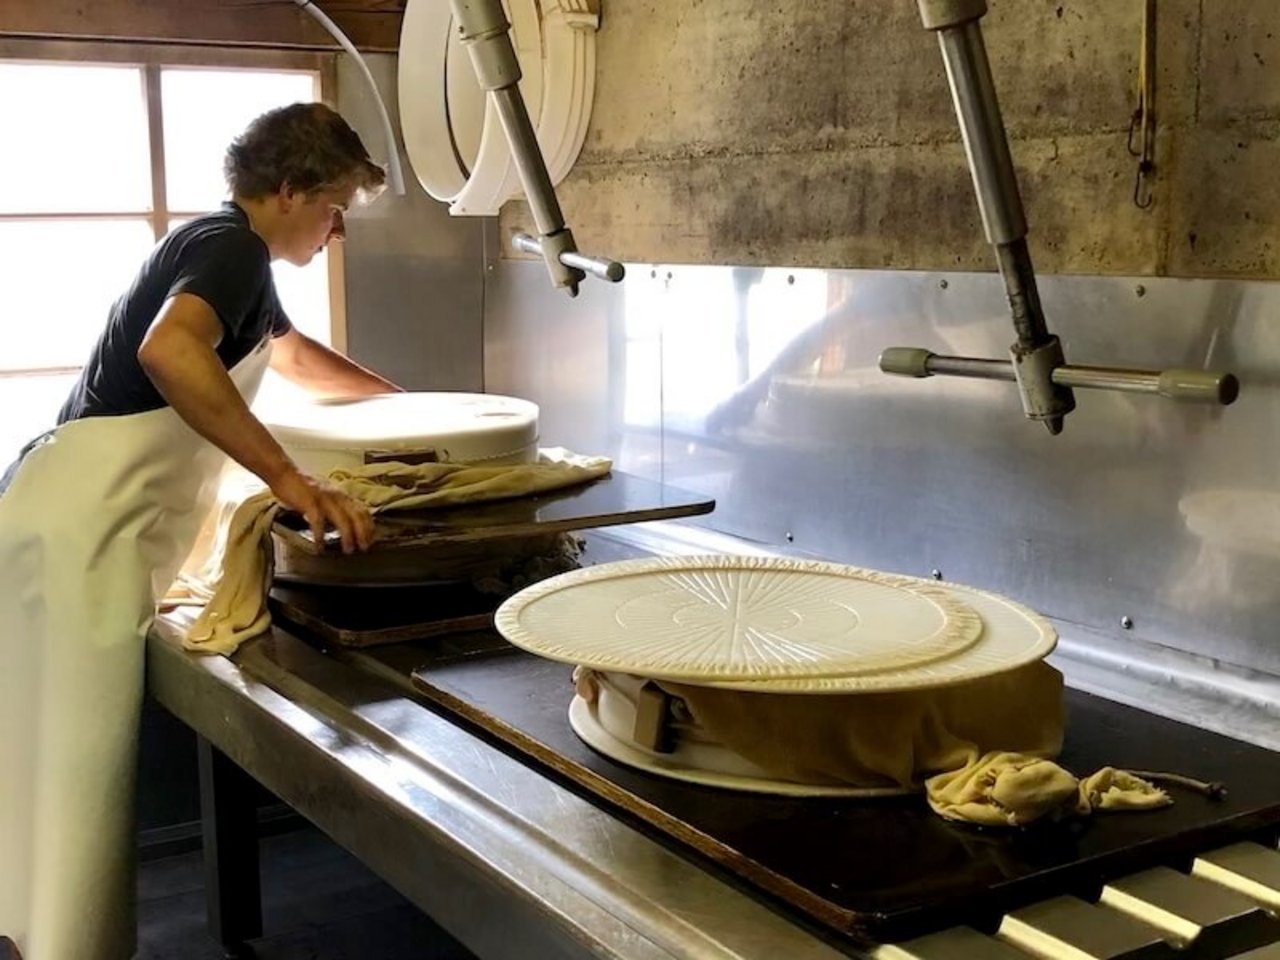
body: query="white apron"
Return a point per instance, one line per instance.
(93, 528)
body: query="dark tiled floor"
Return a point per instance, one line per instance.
(319, 903)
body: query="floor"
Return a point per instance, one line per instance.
(319, 903)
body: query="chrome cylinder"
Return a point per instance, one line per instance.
(528, 158)
(599, 267)
(1189, 386)
(982, 127)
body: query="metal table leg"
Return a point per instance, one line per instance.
(233, 887)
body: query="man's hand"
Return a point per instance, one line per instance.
(322, 504)
(178, 354)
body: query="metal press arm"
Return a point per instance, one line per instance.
(1036, 358)
(610, 270)
(1194, 386)
(485, 33)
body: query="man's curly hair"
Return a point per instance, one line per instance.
(305, 146)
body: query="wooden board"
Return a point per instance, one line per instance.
(354, 616)
(883, 869)
(370, 24)
(615, 499)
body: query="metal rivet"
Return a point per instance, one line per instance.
(943, 284)
(791, 537)
(936, 574)
(1127, 622)
(1140, 290)
(791, 278)
(668, 274)
(653, 274)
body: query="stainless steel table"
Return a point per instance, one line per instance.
(509, 862)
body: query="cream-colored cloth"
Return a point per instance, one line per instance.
(232, 577)
(884, 739)
(1112, 789)
(1011, 790)
(983, 750)
(1002, 789)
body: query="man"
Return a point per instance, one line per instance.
(100, 513)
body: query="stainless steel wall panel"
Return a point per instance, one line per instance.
(414, 279)
(597, 381)
(759, 386)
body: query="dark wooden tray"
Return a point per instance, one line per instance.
(361, 616)
(883, 869)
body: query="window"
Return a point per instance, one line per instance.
(102, 158)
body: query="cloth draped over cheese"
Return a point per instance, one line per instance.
(230, 570)
(883, 739)
(983, 750)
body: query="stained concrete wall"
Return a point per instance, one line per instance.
(822, 134)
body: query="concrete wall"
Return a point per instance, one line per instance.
(822, 133)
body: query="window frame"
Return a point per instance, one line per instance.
(151, 58)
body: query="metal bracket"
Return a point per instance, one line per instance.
(653, 719)
(610, 270)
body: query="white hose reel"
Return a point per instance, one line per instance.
(451, 130)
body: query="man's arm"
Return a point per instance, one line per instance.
(322, 371)
(178, 354)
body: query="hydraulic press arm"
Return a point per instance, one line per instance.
(1036, 360)
(485, 33)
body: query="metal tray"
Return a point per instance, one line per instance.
(876, 869)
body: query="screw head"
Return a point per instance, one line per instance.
(791, 537)
(1140, 290)
(936, 574)
(1127, 622)
(943, 284)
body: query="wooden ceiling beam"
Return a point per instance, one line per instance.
(372, 25)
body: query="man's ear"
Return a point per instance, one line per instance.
(286, 197)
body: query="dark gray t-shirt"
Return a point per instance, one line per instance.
(216, 257)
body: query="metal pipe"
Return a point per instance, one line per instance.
(990, 162)
(394, 171)
(1194, 386)
(528, 158)
(610, 270)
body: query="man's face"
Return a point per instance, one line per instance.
(313, 220)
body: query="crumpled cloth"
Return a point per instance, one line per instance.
(983, 750)
(1012, 790)
(231, 569)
